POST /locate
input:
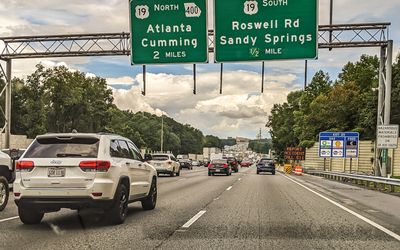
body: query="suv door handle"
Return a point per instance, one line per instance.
(128, 163)
(140, 165)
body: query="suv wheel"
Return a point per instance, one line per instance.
(179, 172)
(150, 201)
(119, 210)
(30, 216)
(4, 193)
(172, 174)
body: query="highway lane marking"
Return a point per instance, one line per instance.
(8, 219)
(372, 223)
(229, 188)
(239, 179)
(182, 179)
(194, 219)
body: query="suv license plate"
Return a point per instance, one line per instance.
(217, 170)
(56, 172)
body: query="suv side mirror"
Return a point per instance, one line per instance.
(14, 154)
(148, 157)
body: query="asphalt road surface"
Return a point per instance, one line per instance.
(242, 211)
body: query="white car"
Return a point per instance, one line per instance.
(195, 163)
(166, 164)
(79, 171)
(6, 177)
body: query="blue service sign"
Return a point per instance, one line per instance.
(338, 144)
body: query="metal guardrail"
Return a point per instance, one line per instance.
(368, 178)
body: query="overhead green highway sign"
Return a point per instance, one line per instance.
(168, 31)
(258, 30)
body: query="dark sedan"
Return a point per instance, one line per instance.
(266, 165)
(233, 162)
(219, 166)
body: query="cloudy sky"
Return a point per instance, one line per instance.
(241, 111)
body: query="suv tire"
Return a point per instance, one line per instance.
(179, 172)
(4, 193)
(119, 210)
(172, 174)
(149, 203)
(30, 216)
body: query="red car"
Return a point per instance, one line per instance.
(245, 164)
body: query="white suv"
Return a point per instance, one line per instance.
(166, 164)
(78, 171)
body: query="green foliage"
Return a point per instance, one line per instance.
(228, 142)
(395, 110)
(306, 144)
(260, 146)
(349, 104)
(211, 141)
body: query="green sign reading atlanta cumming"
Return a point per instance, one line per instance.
(257, 30)
(169, 31)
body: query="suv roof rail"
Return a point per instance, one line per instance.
(106, 133)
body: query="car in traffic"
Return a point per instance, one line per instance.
(104, 172)
(195, 163)
(219, 166)
(233, 162)
(246, 164)
(165, 164)
(185, 163)
(266, 165)
(6, 177)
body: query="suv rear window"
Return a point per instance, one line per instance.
(160, 157)
(219, 161)
(64, 147)
(266, 161)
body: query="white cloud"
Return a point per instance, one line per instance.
(124, 80)
(228, 114)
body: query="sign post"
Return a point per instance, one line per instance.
(168, 31)
(258, 30)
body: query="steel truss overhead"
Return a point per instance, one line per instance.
(114, 44)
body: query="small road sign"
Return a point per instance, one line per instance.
(169, 31)
(387, 136)
(338, 144)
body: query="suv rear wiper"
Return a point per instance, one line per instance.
(68, 155)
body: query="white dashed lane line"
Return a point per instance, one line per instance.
(8, 219)
(229, 188)
(194, 219)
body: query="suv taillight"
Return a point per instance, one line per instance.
(25, 166)
(225, 166)
(210, 165)
(95, 166)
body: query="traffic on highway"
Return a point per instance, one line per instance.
(170, 124)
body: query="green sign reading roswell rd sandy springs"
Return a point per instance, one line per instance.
(257, 30)
(169, 31)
